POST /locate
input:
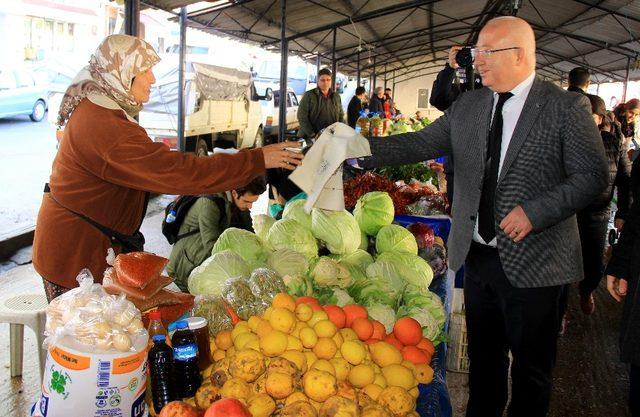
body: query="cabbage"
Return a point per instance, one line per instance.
(373, 211)
(370, 292)
(426, 300)
(430, 326)
(288, 262)
(326, 272)
(209, 278)
(333, 295)
(261, 225)
(364, 241)
(384, 314)
(295, 210)
(357, 274)
(290, 234)
(337, 229)
(411, 269)
(359, 258)
(394, 238)
(298, 285)
(244, 243)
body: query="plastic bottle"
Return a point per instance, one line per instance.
(156, 327)
(160, 372)
(171, 217)
(186, 374)
(362, 124)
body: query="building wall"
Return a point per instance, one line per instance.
(406, 96)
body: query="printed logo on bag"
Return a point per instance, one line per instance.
(133, 384)
(139, 407)
(58, 383)
(185, 352)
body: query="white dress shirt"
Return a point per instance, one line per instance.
(510, 115)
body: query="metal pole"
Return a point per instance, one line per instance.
(385, 77)
(333, 61)
(131, 17)
(374, 73)
(358, 66)
(626, 81)
(284, 61)
(181, 64)
(318, 62)
(393, 91)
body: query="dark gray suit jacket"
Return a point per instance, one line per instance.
(554, 166)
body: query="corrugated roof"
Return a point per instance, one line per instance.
(413, 37)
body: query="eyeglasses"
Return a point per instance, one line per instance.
(475, 52)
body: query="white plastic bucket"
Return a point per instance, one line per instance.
(93, 384)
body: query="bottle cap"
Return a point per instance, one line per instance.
(155, 315)
(158, 337)
(197, 322)
(182, 324)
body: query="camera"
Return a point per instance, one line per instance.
(464, 58)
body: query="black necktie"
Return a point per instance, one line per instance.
(486, 218)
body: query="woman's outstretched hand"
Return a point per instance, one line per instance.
(277, 155)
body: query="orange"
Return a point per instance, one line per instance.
(352, 312)
(336, 315)
(414, 355)
(363, 328)
(393, 341)
(307, 300)
(426, 345)
(284, 300)
(408, 331)
(372, 340)
(379, 331)
(223, 339)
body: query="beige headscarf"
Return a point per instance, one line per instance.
(110, 73)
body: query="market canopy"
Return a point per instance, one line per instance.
(413, 37)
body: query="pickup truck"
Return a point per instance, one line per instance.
(271, 110)
(222, 108)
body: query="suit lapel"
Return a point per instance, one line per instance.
(530, 112)
(482, 133)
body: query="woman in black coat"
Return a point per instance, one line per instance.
(623, 276)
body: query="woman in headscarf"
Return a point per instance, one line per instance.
(106, 166)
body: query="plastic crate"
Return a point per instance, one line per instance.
(457, 355)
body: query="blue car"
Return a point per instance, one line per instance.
(19, 94)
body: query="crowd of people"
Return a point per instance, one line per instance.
(536, 171)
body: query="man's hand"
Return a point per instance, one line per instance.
(452, 56)
(516, 224)
(617, 287)
(618, 223)
(436, 167)
(276, 156)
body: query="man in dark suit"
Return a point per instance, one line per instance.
(528, 156)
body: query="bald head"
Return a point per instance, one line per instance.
(501, 71)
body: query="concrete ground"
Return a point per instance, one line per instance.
(589, 380)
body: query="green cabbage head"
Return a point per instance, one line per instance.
(295, 210)
(209, 278)
(290, 234)
(337, 229)
(288, 262)
(326, 273)
(373, 211)
(261, 225)
(246, 244)
(394, 238)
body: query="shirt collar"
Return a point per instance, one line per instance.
(522, 89)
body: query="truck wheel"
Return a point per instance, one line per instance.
(259, 142)
(39, 109)
(201, 148)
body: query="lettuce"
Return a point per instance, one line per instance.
(358, 258)
(288, 262)
(384, 314)
(326, 273)
(298, 285)
(261, 225)
(409, 268)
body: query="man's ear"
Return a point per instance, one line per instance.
(234, 193)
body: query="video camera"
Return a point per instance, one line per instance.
(466, 74)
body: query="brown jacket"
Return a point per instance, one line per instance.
(103, 168)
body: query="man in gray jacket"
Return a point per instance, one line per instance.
(528, 156)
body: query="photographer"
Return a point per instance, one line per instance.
(446, 89)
